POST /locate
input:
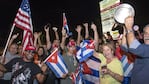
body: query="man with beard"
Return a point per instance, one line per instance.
(24, 71)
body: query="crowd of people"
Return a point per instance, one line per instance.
(122, 61)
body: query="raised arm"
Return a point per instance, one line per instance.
(39, 40)
(96, 37)
(129, 21)
(56, 33)
(47, 37)
(78, 29)
(64, 36)
(36, 36)
(86, 30)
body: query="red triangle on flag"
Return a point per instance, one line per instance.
(53, 57)
(90, 45)
(86, 69)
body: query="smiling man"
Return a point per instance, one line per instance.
(140, 73)
(24, 71)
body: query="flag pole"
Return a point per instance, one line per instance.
(3, 55)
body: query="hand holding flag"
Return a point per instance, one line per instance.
(65, 25)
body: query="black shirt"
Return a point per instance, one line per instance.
(22, 72)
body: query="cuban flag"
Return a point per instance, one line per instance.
(76, 77)
(127, 66)
(56, 63)
(85, 69)
(65, 25)
(86, 50)
(92, 77)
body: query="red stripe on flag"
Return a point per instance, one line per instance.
(22, 14)
(22, 27)
(23, 21)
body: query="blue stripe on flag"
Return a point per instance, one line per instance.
(95, 59)
(61, 67)
(125, 63)
(93, 64)
(53, 69)
(125, 67)
(84, 52)
(79, 78)
(86, 56)
(94, 72)
(62, 59)
(123, 58)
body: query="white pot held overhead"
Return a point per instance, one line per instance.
(122, 11)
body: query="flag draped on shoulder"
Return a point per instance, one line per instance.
(65, 25)
(23, 21)
(86, 50)
(56, 63)
(92, 77)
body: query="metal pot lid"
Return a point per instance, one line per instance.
(122, 11)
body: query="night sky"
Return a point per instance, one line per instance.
(50, 11)
(44, 11)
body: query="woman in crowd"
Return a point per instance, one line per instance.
(111, 68)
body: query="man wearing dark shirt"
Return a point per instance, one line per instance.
(24, 71)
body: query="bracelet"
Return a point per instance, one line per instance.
(128, 31)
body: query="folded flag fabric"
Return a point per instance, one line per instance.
(76, 77)
(86, 50)
(56, 63)
(92, 77)
(85, 68)
(127, 66)
(87, 72)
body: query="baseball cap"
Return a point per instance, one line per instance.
(72, 43)
(30, 48)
